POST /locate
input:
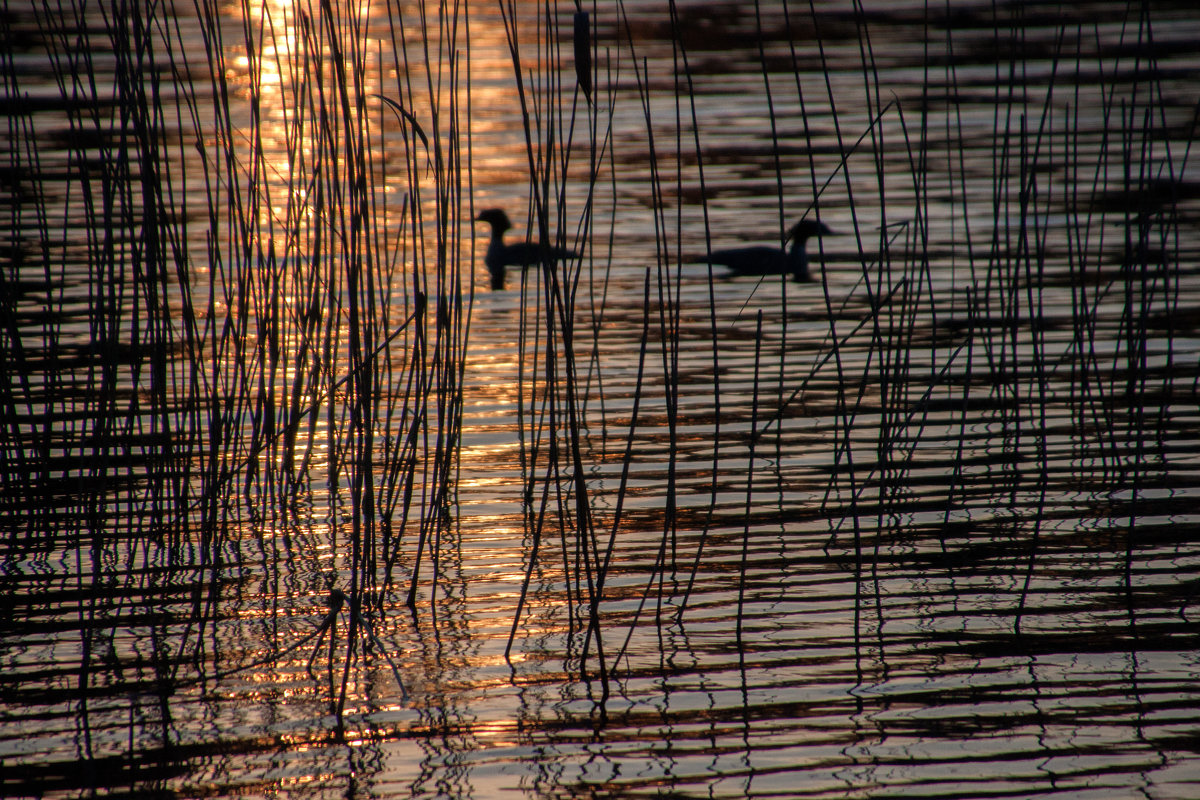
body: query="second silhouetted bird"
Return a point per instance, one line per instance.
(501, 256)
(764, 260)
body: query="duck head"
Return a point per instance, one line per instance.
(496, 218)
(806, 229)
(798, 234)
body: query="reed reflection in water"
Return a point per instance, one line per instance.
(295, 503)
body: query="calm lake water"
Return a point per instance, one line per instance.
(927, 526)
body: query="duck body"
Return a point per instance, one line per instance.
(764, 260)
(500, 256)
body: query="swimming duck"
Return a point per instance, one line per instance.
(500, 256)
(764, 260)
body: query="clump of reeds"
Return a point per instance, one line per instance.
(1042, 312)
(362, 362)
(253, 307)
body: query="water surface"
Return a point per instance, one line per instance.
(925, 527)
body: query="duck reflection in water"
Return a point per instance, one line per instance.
(765, 260)
(501, 256)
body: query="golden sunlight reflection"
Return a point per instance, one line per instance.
(297, 51)
(502, 733)
(265, 75)
(394, 88)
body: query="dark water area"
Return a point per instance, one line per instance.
(294, 504)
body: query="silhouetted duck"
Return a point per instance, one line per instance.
(764, 260)
(501, 256)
